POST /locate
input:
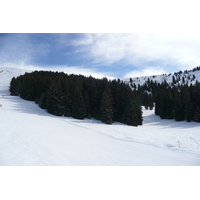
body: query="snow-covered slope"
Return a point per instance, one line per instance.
(31, 136)
(189, 77)
(6, 74)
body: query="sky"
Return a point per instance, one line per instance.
(114, 55)
(120, 39)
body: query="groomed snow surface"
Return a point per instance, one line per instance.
(31, 136)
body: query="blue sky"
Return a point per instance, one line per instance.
(114, 55)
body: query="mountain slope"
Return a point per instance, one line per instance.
(188, 76)
(6, 74)
(31, 136)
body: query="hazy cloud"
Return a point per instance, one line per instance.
(22, 48)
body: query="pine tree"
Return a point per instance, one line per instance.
(178, 108)
(132, 114)
(188, 105)
(107, 107)
(169, 104)
(138, 110)
(197, 114)
(78, 110)
(162, 107)
(55, 99)
(157, 104)
(80, 97)
(87, 105)
(14, 86)
(67, 103)
(42, 101)
(117, 96)
(173, 80)
(189, 111)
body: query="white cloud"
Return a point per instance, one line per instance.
(149, 71)
(87, 39)
(172, 51)
(181, 49)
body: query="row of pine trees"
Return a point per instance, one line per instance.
(179, 102)
(79, 96)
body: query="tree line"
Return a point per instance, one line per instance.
(171, 100)
(80, 97)
(179, 103)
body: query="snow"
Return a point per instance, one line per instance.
(7, 73)
(29, 136)
(188, 76)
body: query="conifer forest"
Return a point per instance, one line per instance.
(80, 97)
(179, 99)
(110, 101)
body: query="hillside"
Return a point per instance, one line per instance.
(173, 96)
(181, 77)
(31, 136)
(6, 74)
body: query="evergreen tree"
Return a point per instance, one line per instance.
(80, 97)
(197, 114)
(188, 105)
(55, 99)
(14, 86)
(87, 105)
(132, 114)
(189, 111)
(173, 80)
(169, 104)
(117, 99)
(107, 107)
(178, 108)
(157, 104)
(162, 107)
(42, 101)
(78, 110)
(67, 103)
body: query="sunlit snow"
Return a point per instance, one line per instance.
(31, 136)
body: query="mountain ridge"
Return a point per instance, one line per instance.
(181, 78)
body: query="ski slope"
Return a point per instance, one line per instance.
(31, 136)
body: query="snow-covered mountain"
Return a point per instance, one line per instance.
(181, 77)
(31, 136)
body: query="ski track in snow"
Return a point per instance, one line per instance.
(31, 136)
